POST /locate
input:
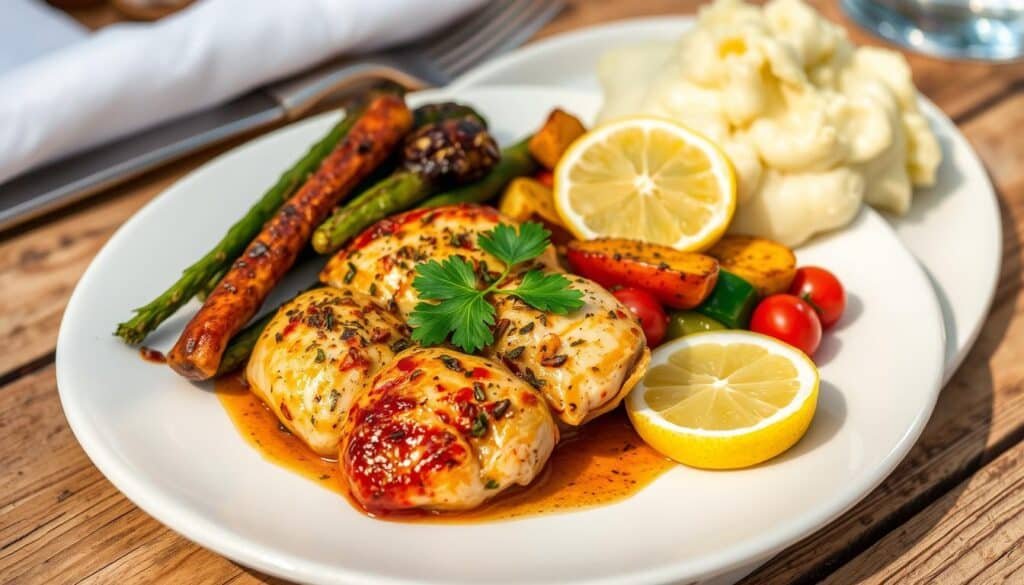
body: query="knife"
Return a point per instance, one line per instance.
(498, 27)
(73, 178)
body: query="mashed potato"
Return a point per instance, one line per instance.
(813, 125)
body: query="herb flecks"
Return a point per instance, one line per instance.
(480, 425)
(462, 309)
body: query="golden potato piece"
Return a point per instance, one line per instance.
(767, 265)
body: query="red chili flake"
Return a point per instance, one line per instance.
(290, 327)
(353, 359)
(407, 364)
(528, 398)
(479, 372)
(285, 412)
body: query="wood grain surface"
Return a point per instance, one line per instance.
(951, 512)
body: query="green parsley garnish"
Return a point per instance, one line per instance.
(464, 311)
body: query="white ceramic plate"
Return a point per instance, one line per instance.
(170, 447)
(953, 229)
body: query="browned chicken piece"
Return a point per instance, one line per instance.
(310, 363)
(584, 362)
(382, 260)
(580, 381)
(441, 430)
(238, 296)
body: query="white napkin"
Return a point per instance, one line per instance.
(30, 28)
(127, 77)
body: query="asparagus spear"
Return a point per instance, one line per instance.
(452, 146)
(241, 345)
(515, 162)
(207, 270)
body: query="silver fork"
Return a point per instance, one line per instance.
(435, 61)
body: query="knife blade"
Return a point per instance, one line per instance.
(73, 178)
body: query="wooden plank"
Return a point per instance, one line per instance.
(973, 534)
(40, 263)
(62, 520)
(979, 414)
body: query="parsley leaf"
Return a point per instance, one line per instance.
(442, 280)
(512, 248)
(548, 292)
(464, 312)
(468, 318)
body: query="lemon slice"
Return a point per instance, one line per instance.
(648, 179)
(725, 399)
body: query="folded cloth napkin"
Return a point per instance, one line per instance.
(127, 77)
(30, 28)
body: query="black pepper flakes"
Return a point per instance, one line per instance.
(532, 379)
(451, 363)
(320, 355)
(526, 328)
(556, 361)
(478, 392)
(515, 352)
(501, 408)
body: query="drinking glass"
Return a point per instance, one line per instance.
(989, 30)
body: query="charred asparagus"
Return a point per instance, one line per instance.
(199, 350)
(443, 151)
(206, 272)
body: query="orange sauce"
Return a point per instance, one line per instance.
(152, 355)
(600, 463)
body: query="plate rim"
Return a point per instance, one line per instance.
(231, 544)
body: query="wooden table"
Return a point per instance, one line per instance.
(951, 512)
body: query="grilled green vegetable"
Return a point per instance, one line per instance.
(515, 162)
(443, 151)
(681, 323)
(205, 273)
(731, 301)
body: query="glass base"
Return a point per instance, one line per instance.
(986, 30)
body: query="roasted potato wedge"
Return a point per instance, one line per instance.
(525, 199)
(766, 264)
(681, 280)
(549, 144)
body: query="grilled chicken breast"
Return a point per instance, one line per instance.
(441, 430)
(584, 362)
(311, 361)
(382, 260)
(580, 381)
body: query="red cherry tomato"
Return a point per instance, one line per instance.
(546, 178)
(823, 291)
(647, 309)
(789, 319)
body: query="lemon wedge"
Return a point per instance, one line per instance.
(724, 399)
(648, 179)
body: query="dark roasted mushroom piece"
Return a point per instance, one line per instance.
(451, 151)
